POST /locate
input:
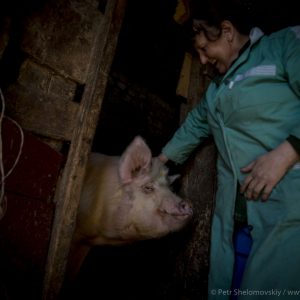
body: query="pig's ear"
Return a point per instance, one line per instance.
(135, 159)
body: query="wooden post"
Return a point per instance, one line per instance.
(69, 187)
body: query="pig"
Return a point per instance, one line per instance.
(125, 199)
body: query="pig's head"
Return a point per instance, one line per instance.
(153, 210)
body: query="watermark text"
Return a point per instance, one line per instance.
(260, 293)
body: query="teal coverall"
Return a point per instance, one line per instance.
(250, 111)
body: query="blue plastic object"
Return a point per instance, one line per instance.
(242, 242)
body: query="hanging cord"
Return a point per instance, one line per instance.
(3, 176)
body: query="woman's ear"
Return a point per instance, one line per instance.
(228, 30)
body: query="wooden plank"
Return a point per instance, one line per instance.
(50, 117)
(68, 192)
(196, 87)
(184, 78)
(66, 51)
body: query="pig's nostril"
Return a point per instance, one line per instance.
(185, 207)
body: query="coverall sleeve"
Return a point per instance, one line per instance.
(190, 134)
(291, 58)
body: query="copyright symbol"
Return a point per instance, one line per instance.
(213, 292)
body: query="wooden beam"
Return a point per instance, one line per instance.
(68, 192)
(184, 78)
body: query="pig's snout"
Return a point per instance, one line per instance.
(185, 208)
(182, 210)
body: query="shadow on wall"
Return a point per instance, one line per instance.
(129, 110)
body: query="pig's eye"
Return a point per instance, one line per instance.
(148, 188)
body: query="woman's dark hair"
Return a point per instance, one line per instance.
(212, 13)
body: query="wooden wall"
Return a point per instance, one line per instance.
(55, 61)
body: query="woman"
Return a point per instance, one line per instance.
(252, 109)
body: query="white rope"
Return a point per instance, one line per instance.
(3, 176)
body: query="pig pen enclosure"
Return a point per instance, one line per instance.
(60, 64)
(91, 75)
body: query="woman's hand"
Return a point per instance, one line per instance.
(267, 170)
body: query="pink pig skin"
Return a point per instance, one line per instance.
(125, 199)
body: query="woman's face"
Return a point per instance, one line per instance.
(218, 52)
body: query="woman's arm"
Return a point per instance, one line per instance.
(267, 170)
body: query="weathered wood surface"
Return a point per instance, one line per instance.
(68, 191)
(69, 54)
(55, 91)
(42, 115)
(184, 78)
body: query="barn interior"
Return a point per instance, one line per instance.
(147, 79)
